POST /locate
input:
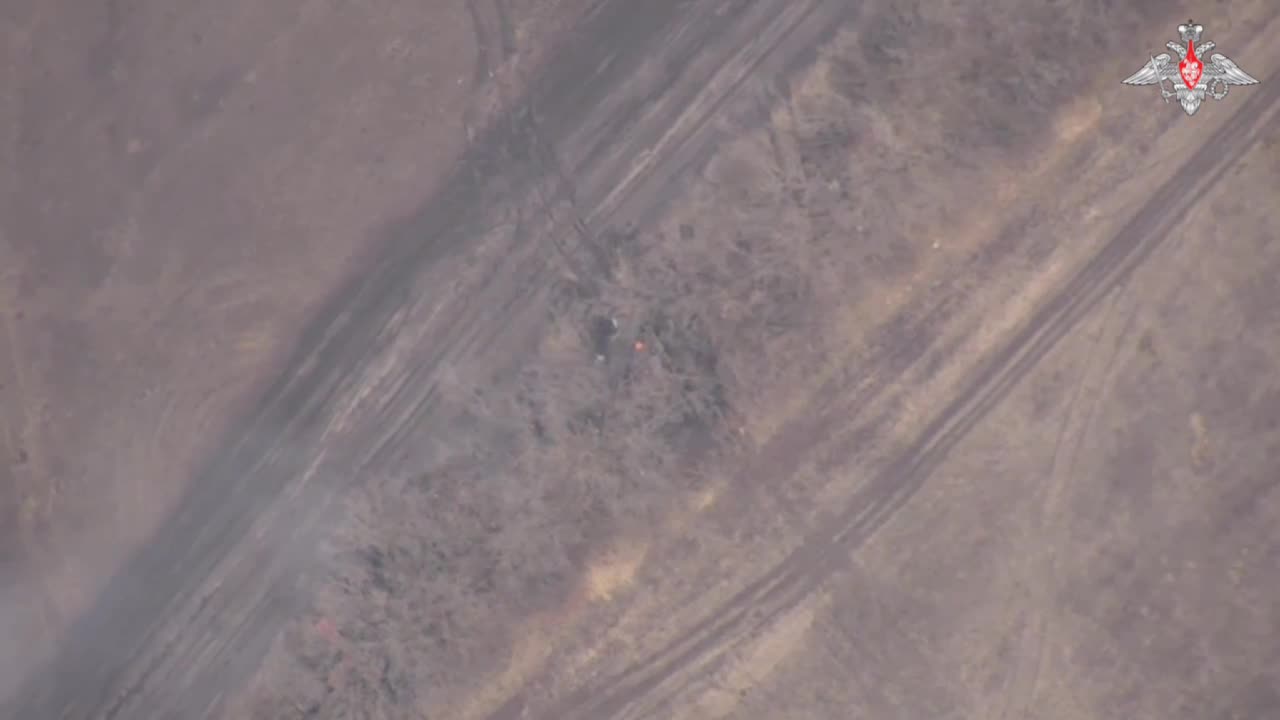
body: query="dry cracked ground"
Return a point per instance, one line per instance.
(568, 360)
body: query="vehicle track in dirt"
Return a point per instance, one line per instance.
(190, 616)
(635, 692)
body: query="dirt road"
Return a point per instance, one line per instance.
(657, 532)
(197, 598)
(778, 592)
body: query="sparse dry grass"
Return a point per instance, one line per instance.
(577, 515)
(779, 267)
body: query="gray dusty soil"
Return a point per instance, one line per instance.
(172, 217)
(729, 359)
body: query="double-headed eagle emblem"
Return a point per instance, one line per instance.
(1191, 79)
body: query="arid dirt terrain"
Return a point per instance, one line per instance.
(570, 360)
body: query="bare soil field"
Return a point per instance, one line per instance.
(172, 215)
(730, 359)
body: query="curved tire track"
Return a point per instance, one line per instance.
(629, 694)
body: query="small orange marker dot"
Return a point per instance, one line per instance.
(639, 346)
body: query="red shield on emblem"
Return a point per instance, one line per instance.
(1204, 77)
(1191, 68)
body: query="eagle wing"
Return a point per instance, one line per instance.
(1156, 70)
(1222, 68)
